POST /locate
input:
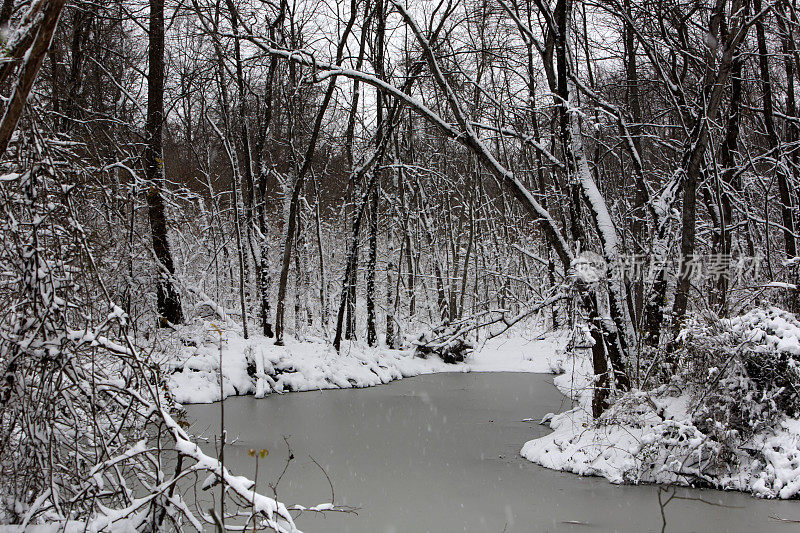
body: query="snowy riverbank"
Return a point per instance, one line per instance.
(645, 437)
(637, 441)
(653, 436)
(256, 366)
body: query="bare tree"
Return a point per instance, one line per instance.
(168, 299)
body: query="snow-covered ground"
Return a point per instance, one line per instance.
(650, 437)
(256, 366)
(637, 441)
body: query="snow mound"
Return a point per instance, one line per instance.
(769, 329)
(647, 438)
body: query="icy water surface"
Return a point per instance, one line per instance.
(440, 453)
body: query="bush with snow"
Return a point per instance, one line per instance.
(744, 372)
(727, 419)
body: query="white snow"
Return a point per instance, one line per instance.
(70, 526)
(649, 437)
(589, 267)
(634, 443)
(193, 373)
(519, 353)
(781, 285)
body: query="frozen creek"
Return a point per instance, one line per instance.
(440, 453)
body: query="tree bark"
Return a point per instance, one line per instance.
(713, 88)
(30, 69)
(372, 335)
(773, 141)
(167, 299)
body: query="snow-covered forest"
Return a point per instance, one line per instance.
(205, 198)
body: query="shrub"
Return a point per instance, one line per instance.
(743, 372)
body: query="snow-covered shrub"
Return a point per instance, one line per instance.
(674, 449)
(743, 372)
(88, 436)
(727, 420)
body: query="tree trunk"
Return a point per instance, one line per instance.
(297, 184)
(713, 88)
(773, 141)
(31, 64)
(167, 298)
(372, 335)
(264, 282)
(639, 223)
(380, 26)
(729, 147)
(391, 272)
(351, 262)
